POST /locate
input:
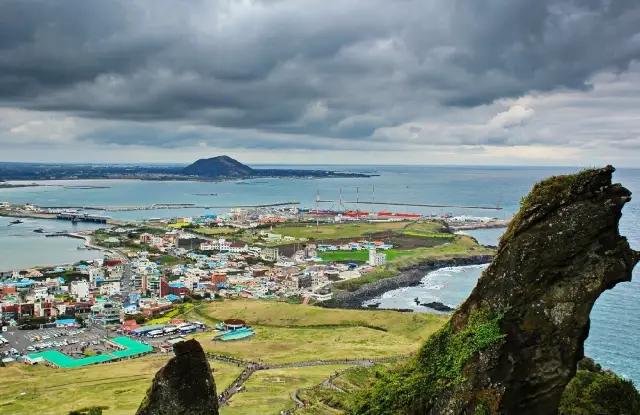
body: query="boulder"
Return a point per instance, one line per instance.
(184, 386)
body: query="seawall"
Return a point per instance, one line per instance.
(407, 278)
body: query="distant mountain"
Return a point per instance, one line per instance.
(221, 166)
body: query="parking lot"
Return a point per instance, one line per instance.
(71, 341)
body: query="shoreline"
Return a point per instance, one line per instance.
(476, 226)
(409, 277)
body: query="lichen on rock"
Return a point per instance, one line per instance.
(184, 386)
(513, 346)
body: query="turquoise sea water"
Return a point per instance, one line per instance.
(615, 329)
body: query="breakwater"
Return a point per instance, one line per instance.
(406, 278)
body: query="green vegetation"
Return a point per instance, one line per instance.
(426, 227)
(269, 391)
(169, 260)
(338, 231)
(461, 246)
(362, 256)
(214, 231)
(176, 312)
(288, 333)
(437, 366)
(599, 392)
(120, 386)
(548, 192)
(430, 235)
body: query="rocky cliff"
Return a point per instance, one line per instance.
(514, 344)
(184, 386)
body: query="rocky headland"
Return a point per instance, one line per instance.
(406, 278)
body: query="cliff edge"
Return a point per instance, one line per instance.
(513, 346)
(184, 386)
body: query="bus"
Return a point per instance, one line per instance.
(188, 329)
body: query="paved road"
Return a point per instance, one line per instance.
(126, 284)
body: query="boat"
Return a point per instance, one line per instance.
(81, 247)
(39, 230)
(16, 222)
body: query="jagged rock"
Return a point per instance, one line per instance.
(438, 306)
(513, 345)
(183, 386)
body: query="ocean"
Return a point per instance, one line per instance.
(615, 328)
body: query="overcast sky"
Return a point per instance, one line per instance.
(327, 82)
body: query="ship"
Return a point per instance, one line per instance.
(39, 230)
(325, 212)
(16, 222)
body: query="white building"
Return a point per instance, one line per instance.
(80, 289)
(95, 273)
(110, 288)
(376, 259)
(40, 292)
(219, 245)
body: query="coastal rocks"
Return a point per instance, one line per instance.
(513, 346)
(184, 386)
(407, 278)
(438, 306)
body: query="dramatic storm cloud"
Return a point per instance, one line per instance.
(264, 79)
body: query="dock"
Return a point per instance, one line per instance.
(74, 217)
(381, 203)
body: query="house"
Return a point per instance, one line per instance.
(146, 238)
(237, 247)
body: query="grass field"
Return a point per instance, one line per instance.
(120, 386)
(461, 246)
(288, 333)
(339, 231)
(214, 231)
(362, 256)
(268, 392)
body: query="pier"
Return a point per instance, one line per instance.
(74, 217)
(381, 203)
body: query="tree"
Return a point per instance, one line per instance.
(599, 392)
(80, 320)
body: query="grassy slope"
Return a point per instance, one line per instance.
(268, 392)
(338, 231)
(294, 332)
(362, 255)
(462, 246)
(120, 386)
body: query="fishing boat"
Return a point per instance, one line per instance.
(39, 230)
(16, 222)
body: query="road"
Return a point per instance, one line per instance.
(126, 282)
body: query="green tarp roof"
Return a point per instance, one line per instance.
(132, 348)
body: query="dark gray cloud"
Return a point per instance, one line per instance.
(332, 69)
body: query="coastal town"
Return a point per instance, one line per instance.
(146, 282)
(147, 267)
